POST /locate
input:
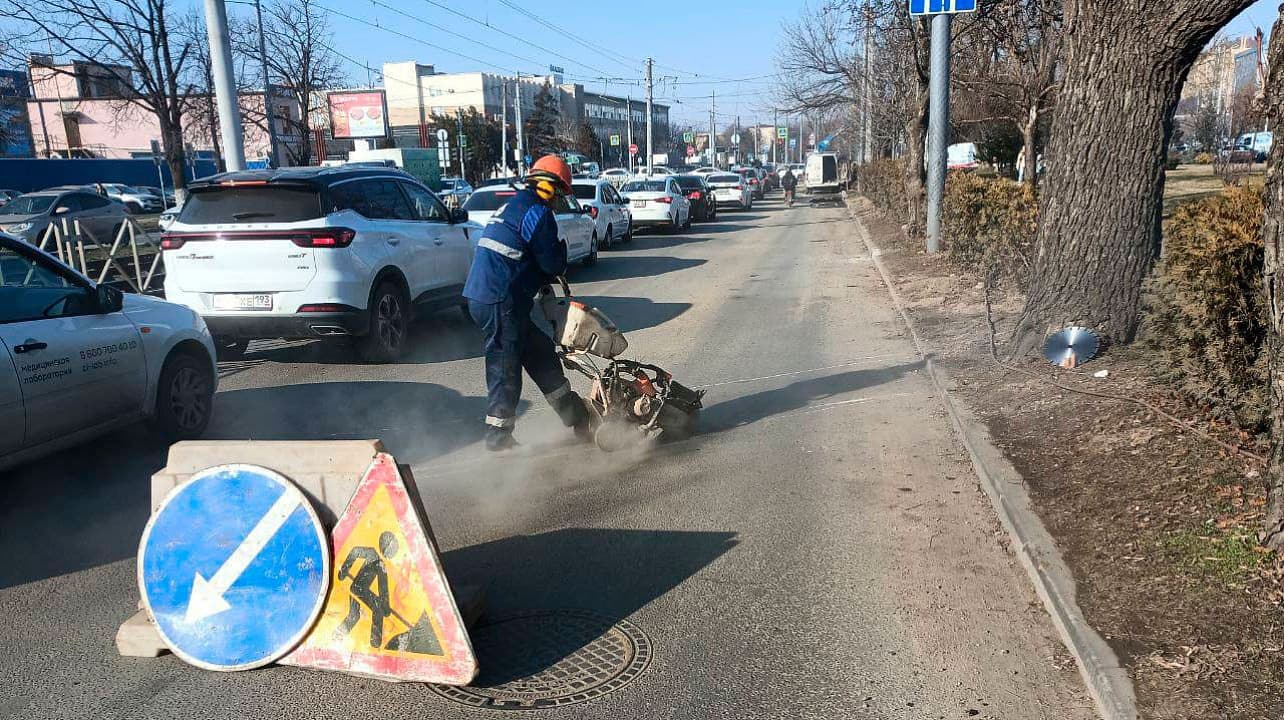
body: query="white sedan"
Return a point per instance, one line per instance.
(658, 201)
(608, 210)
(575, 225)
(731, 189)
(79, 359)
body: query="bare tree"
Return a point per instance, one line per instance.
(1099, 216)
(134, 34)
(299, 47)
(1012, 67)
(202, 123)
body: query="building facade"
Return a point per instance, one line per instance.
(82, 110)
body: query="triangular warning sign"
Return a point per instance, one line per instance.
(390, 613)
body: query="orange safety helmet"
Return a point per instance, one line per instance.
(553, 168)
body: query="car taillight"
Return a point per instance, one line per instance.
(666, 199)
(172, 242)
(695, 195)
(326, 308)
(753, 182)
(592, 212)
(324, 238)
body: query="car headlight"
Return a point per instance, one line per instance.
(20, 227)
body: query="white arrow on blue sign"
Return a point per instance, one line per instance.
(937, 7)
(234, 567)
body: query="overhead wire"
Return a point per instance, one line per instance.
(618, 58)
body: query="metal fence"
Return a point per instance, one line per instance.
(132, 258)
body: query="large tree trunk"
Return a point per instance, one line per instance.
(1273, 236)
(915, 169)
(1099, 218)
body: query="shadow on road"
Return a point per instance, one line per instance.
(79, 508)
(619, 268)
(437, 337)
(610, 572)
(748, 409)
(635, 313)
(416, 421)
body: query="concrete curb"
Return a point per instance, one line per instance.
(1107, 682)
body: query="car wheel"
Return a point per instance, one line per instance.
(591, 259)
(687, 225)
(184, 397)
(610, 238)
(628, 236)
(389, 325)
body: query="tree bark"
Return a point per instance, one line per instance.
(1099, 218)
(1273, 238)
(915, 170)
(1029, 128)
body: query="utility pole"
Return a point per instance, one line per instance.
(521, 147)
(459, 140)
(938, 126)
(273, 159)
(713, 129)
(867, 141)
(628, 102)
(503, 126)
(775, 134)
(229, 115)
(649, 95)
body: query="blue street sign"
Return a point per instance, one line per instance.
(937, 7)
(234, 567)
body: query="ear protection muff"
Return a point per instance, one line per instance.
(545, 190)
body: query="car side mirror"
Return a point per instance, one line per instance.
(109, 299)
(61, 210)
(585, 210)
(458, 215)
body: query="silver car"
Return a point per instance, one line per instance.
(29, 216)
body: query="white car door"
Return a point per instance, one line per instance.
(617, 209)
(404, 243)
(453, 248)
(12, 419)
(77, 365)
(575, 228)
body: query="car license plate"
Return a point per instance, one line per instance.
(639, 203)
(228, 301)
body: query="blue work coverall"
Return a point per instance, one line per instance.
(518, 253)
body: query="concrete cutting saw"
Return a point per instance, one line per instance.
(630, 401)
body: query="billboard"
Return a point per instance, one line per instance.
(358, 114)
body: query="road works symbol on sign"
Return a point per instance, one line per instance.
(234, 566)
(391, 614)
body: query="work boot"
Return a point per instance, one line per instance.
(499, 439)
(570, 407)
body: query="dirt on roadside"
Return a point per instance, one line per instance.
(1157, 524)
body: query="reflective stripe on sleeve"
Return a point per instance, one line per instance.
(503, 423)
(501, 248)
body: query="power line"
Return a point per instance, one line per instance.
(411, 38)
(448, 31)
(618, 58)
(518, 38)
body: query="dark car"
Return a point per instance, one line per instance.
(7, 195)
(703, 205)
(770, 177)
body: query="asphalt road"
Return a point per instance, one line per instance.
(820, 550)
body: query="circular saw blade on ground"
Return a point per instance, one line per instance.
(1071, 347)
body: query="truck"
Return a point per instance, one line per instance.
(423, 163)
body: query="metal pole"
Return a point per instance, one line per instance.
(229, 115)
(521, 148)
(713, 129)
(775, 134)
(938, 126)
(867, 142)
(273, 159)
(649, 93)
(628, 102)
(459, 140)
(503, 126)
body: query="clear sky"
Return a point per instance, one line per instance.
(698, 47)
(1262, 14)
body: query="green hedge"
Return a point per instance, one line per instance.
(1206, 313)
(883, 182)
(989, 225)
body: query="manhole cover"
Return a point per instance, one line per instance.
(550, 658)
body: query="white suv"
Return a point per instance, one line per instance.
(332, 252)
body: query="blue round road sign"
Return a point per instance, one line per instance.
(234, 567)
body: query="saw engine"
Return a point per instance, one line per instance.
(630, 401)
